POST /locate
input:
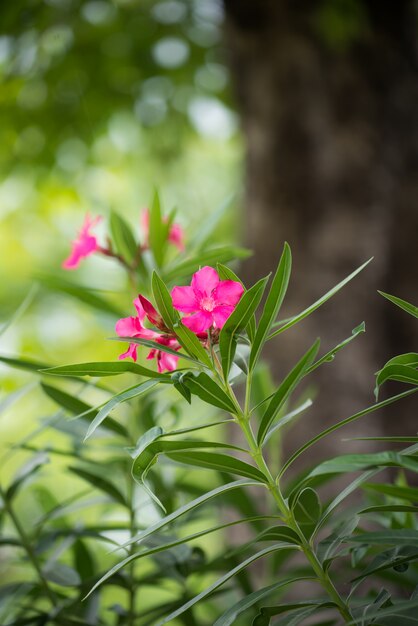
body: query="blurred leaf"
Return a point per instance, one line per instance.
(87, 295)
(395, 491)
(158, 230)
(297, 318)
(238, 321)
(389, 559)
(357, 462)
(22, 308)
(307, 510)
(402, 304)
(100, 483)
(26, 472)
(285, 389)
(399, 536)
(62, 575)
(272, 306)
(123, 238)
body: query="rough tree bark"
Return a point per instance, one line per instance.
(328, 93)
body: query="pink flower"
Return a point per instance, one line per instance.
(165, 361)
(152, 315)
(210, 301)
(175, 234)
(132, 327)
(85, 244)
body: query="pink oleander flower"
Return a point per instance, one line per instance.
(133, 327)
(175, 235)
(165, 362)
(209, 300)
(152, 315)
(85, 244)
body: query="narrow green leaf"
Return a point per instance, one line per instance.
(399, 536)
(342, 423)
(23, 364)
(297, 318)
(225, 273)
(158, 230)
(231, 614)
(208, 226)
(123, 238)
(402, 304)
(192, 345)
(164, 302)
(329, 356)
(61, 574)
(222, 254)
(389, 559)
(154, 345)
(288, 418)
(395, 491)
(34, 464)
(21, 309)
(100, 483)
(283, 392)
(238, 321)
(401, 373)
(389, 508)
(100, 369)
(357, 462)
(273, 303)
(123, 396)
(206, 389)
(223, 579)
(218, 462)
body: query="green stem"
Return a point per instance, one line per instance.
(288, 518)
(25, 541)
(132, 529)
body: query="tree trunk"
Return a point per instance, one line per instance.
(328, 93)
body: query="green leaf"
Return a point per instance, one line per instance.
(329, 356)
(389, 559)
(402, 304)
(389, 508)
(123, 238)
(154, 345)
(357, 462)
(76, 406)
(207, 390)
(307, 510)
(100, 483)
(208, 226)
(284, 391)
(222, 254)
(297, 318)
(23, 364)
(273, 303)
(218, 462)
(164, 302)
(399, 536)
(402, 373)
(100, 369)
(395, 491)
(287, 418)
(225, 273)
(242, 605)
(223, 579)
(328, 547)
(342, 423)
(192, 345)
(123, 396)
(21, 309)
(238, 321)
(298, 610)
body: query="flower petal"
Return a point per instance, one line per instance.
(153, 316)
(176, 236)
(139, 308)
(128, 327)
(199, 322)
(221, 314)
(167, 362)
(130, 353)
(205, 281)
(184, 299)
(228, 292)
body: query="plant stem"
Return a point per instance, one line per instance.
(288, 518)
(132, 586)
(28, 548)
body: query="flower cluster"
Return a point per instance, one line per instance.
(87, 242)
(208, 302)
